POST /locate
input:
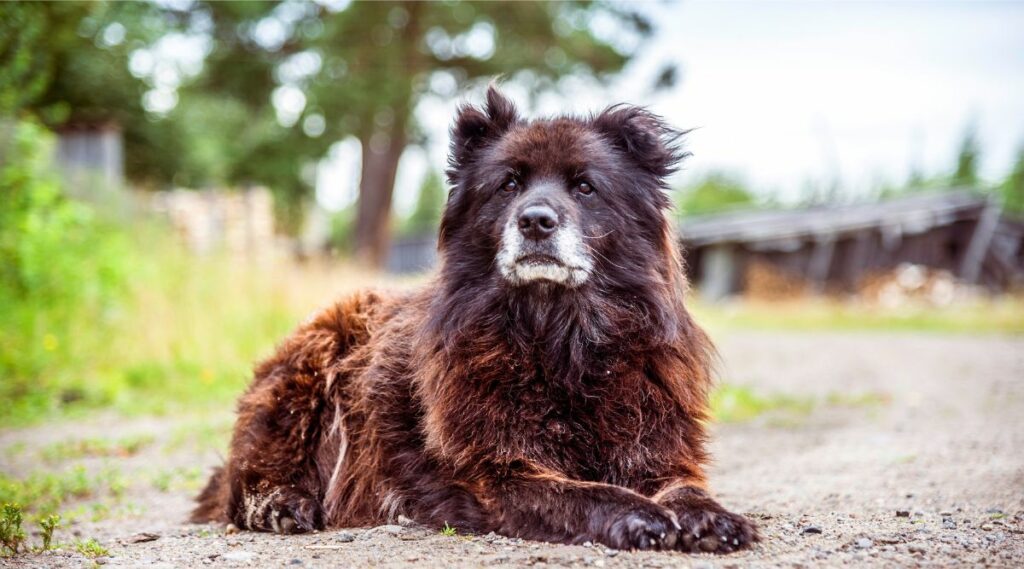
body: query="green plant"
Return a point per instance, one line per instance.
(63, 271)
(47, 525)
(12, 536)
(91, 548)
(447, 530)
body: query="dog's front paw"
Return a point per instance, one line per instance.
(651, 528)
(283, 510)
(714, 531)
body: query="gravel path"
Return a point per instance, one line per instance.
(911, 455)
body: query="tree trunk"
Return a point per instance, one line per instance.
(382, 148)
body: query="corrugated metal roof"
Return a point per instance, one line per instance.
(907, 215)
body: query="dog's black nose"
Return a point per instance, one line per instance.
(538, 222)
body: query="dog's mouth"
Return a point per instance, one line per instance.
(539, 259)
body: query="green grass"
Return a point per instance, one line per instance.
(740, 403)
(736, 404)
(62, 451)
(43, 493)
(91, 548)
(448, 531)
(986, 316)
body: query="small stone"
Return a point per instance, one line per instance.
(948, 523)
(345, 536)
(295, 562)
(102, 560)
(240, 555)
(916, 548)
(808, 530)
(902, 513)
(392, 529)
(864, 543)
(611, 552)
(144, 537)
(230, 529)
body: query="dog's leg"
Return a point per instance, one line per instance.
(706, 525)
(272, 475)
(545, 506)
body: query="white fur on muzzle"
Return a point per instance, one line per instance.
(573, 266)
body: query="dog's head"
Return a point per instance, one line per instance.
(566, 202)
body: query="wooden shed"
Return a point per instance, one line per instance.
(834, 248)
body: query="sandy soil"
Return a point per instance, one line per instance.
(913, 455)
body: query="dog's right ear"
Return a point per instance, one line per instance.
(474, 127)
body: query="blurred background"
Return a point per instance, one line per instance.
(182, 182)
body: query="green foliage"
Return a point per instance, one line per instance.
(91, 548)
(343, 63)
(79, 448)
(448, 531)
(1012, 189)
(717, 192)
(44, 493)
(733, 404)
(47, 525)
(966, 173)
(12, 536)
(429, 205)
(62, 270)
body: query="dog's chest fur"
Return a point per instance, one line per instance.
(598, 427)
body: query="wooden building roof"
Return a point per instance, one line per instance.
(783, 229)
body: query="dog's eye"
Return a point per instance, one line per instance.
(510, 186)
(584, 188)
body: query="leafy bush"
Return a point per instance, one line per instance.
(62, 269)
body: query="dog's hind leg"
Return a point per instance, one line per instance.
(273, 480)
(280, 461)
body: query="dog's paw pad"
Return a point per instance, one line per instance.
(710, 531)
(643, 530)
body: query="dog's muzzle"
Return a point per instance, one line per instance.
(536, 245)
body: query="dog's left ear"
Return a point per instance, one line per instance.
(643, 136)
(474, 127)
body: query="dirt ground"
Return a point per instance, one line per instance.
(912, 454)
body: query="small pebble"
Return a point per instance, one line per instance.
(864, 543)
(902, 513)
(345, 536)
(239, 555)
(811, 530)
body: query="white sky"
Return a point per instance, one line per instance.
(786, 93)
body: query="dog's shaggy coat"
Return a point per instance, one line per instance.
(551, 389)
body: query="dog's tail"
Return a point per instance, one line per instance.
(213, 500)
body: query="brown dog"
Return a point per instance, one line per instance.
(548, 384)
